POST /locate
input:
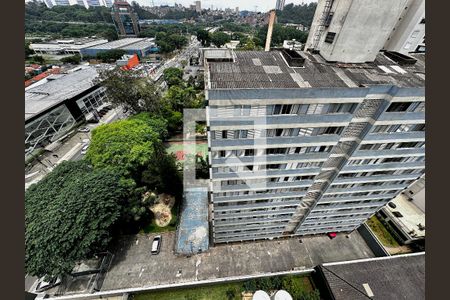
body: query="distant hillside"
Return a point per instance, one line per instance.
(299, 14)
(38, 11)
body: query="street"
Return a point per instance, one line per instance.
(68, 150)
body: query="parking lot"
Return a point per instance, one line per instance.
(133, 266)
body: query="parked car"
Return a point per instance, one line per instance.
(84, 149)
(84, 129)
(156, 245)
(45, 285)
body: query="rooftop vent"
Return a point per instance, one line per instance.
(400, 58)
(293, 58)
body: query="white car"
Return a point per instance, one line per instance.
(156, 245)
(84, 149)
(84, 129)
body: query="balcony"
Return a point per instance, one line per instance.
(220, 199)
(255, 213)
(384, 167)
(266, 174)
(278, 142)
(269, 159)
(255, 206)
(278, 121)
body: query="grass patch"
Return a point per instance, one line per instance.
(382, 233)
(153, 228)
(300, 287)
(198, 293)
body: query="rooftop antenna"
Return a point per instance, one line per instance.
(256, 8)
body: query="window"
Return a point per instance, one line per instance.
(422, 21)
(222, 153)
(249, 152)
(415, 34)
(398, 107)
(224, 134)
(330, 37)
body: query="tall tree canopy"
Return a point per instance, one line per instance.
(173, 76)
(127, 144)
(299, 14)
(220, 38)
(131, 91)
(69, 216)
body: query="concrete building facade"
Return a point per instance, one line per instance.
(85, 3)
(409, 33)
(280, 4)
(351, 31)
(55, 106)
(198, 6)
(311, 149)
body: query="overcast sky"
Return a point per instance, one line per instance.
(263, 5)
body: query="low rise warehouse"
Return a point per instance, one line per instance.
(140, 46)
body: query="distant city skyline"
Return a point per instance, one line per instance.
(262, 5)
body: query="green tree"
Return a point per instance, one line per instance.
(201, 167)
(173, 76)
(157, 123)
(129, 90)
(69, 215)
(28, 51)
(127, 144)
(74, 59)
(161, 173)
(182, 97)
(219, 38)
(204, 37)
(111, 55)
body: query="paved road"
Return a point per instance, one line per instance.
(176, 61)
(69, 150)
(134, 266)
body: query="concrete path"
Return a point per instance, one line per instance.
(133, 265)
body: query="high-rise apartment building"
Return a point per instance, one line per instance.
(125, 19)
(409, 33)
(85, 3)
(198, 6)
(354, 31)
(280, 4)
(299, 146)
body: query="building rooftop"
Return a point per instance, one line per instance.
(53, 92)
(118, 44)
(393, 277)
(407, 215)
(140, 44)
(269, 70)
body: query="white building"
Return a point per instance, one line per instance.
(85, 3)
(280, 4)
(298, 146)
(409, 33)
(353, 31)
(198, 6)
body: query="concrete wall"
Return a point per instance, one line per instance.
(372, 241)
(362, 28)
(409, 32)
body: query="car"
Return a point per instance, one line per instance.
(156, 245)
(44, 285)
(84, 149)
(84, 129)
